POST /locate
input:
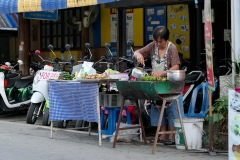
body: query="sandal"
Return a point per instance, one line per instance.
(169, 142)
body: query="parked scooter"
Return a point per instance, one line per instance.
(40, 89)
(15, 90)
(34, 66)
(45, 120)
(87, 58)
(67, 65)
(106, 62)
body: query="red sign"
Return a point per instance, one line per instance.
(46, 75)
(210, 77)
(208, 44)
(208, 32)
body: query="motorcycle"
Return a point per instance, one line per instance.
(40, 88)
(15, 90)
(87, 58)
(106, 61)
(45, 120)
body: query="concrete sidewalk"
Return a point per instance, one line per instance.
(31, 142)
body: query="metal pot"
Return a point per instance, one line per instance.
(175, 75)
(138, 72)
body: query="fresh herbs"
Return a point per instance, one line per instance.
(153, 78)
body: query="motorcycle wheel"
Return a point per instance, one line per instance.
(45, 120)
(32, 113)
(62, 124)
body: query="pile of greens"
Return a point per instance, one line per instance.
(65, 76)
(153, 78)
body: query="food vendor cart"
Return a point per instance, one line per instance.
(167, 91)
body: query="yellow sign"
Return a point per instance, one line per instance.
(137, 25)
(79, 3)
(178, 25)
(29, 5)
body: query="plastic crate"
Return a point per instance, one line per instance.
(110, 100)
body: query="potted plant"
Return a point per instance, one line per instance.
(220, 122)
(220, 114)
(220, 109)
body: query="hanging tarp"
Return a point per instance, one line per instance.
(8, 21)
(15, 6)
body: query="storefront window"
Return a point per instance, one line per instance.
(58, 33)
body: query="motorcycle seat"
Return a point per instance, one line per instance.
(11, 75)
(12, 81)
(23, 82)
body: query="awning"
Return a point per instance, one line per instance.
(14, 6)
(146, 3)
(9, 21)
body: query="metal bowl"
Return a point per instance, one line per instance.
(138, 72)
(176, 75)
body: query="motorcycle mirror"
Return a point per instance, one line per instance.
(37, 52)
(87, 45)
(67, 46)
(20, 62)
(107, 45)
(50, 47)
(30, 54)
(8, 64)
(130, 43)
(178, 41)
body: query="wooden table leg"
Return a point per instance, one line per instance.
(141, 122)
(181, 122)
(118, 124)
(159, 126)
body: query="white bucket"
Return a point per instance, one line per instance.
(193, 130)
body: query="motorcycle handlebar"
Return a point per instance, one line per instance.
(126, 59)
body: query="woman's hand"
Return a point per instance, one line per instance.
(159, 74)
(139, 57)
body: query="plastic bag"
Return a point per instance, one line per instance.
(126, 135)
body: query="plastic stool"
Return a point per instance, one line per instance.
(113, 113)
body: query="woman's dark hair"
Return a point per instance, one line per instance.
(162, 32)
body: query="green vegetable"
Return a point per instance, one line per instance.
(65, 76)
(153, 78)
(109, 71)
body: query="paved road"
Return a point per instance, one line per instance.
(21, 141)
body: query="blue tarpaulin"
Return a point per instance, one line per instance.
(14, 6)
(8, 21)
